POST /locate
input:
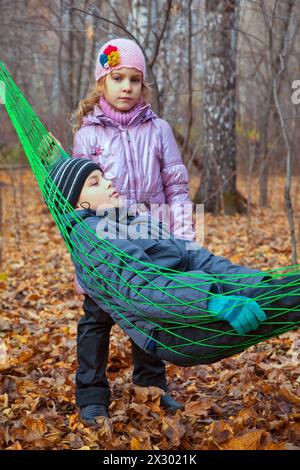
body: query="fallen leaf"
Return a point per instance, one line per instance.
(25, 355)
(134, 444)
(198, 408)
(75, 441)
(3, 353)
(249, 441)
(245, 418)
(220, 431)
(288, 395)
(173, 429)
(275, 446)
(139, 409)
(294, 433)
(34, 429)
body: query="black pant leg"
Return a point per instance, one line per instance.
(147, 369)
(92, 354)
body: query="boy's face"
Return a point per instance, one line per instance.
(121, 84)
(97, 192)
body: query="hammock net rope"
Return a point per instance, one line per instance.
(43, 151)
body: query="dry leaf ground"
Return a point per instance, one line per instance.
(249, 401)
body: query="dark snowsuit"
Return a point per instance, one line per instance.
(133, 292)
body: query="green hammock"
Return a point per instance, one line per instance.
(43, 151)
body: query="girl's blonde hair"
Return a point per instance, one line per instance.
(96, 91)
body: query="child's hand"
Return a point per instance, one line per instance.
(243, 313)
(59, 143)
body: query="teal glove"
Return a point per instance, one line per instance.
(243, 313)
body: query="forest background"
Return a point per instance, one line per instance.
(225, 75)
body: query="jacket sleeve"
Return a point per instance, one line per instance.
(231, 278)
(82, 144)
(126, 274)
(175, 182)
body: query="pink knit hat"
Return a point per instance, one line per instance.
(119, 53)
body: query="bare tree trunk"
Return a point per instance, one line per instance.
(71, 57)
(218, 184)
(252, 155)
(277, 36)
(289, 28)
(79, 77)
(140, 24)
(190, 80)
(264, 151)
(92, 55)
(159, 36)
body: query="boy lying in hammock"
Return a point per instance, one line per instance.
(184, 306)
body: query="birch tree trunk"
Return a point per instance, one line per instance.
(218, 183)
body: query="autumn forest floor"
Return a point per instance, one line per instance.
(249, 401)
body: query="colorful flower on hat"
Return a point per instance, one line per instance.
(110, 57)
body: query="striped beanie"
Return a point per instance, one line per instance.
(68, 177)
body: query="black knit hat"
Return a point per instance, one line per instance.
(68, 176)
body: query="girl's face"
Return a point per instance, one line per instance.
(97, 193)
(123, 88)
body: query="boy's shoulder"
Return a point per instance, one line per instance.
(106, 231)
(79, 219)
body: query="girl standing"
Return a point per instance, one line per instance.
(136, 150)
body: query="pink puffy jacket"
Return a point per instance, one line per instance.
(142, 160)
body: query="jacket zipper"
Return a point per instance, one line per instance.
(132, 163)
